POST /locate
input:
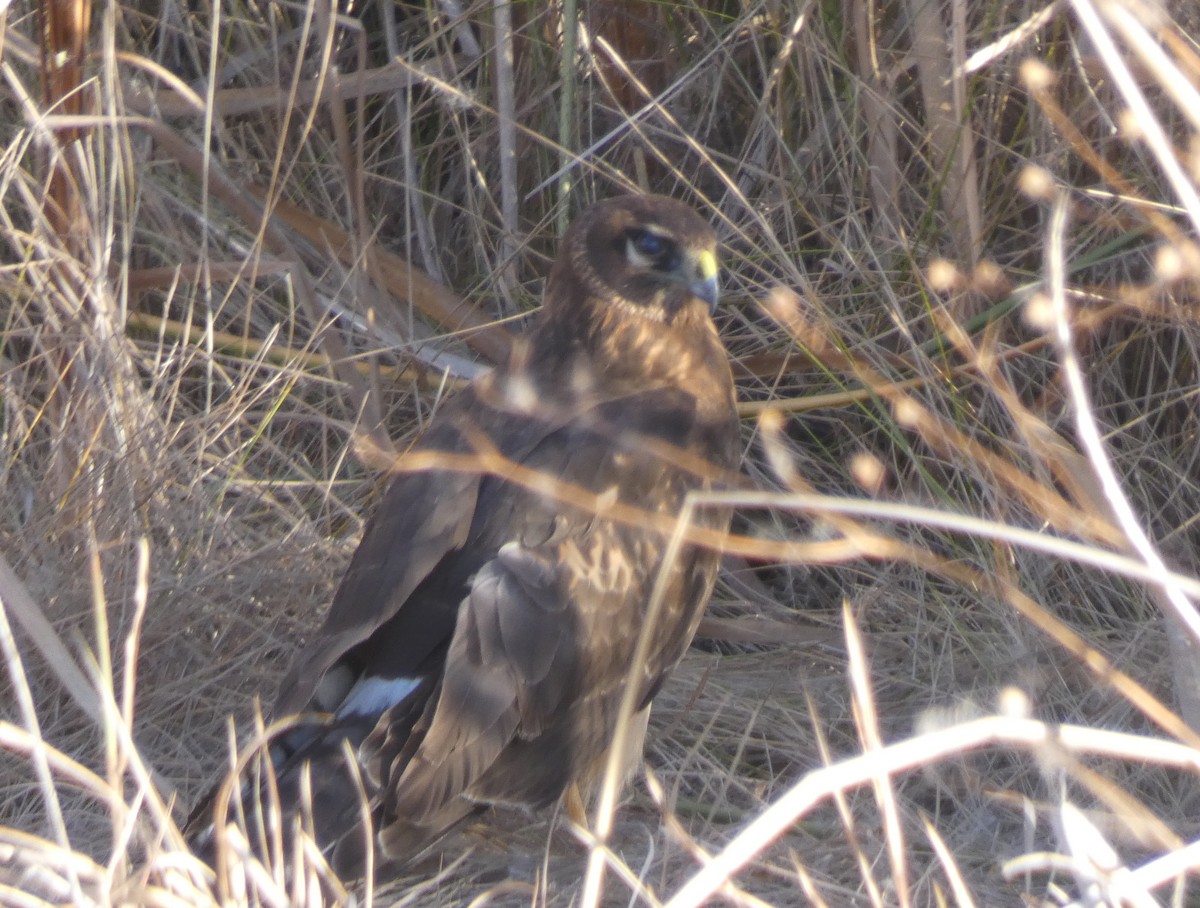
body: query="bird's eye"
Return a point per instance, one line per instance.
(651, 245)
(651, 250)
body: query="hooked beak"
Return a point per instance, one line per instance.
(705, 274)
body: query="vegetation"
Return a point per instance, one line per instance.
(248, 248)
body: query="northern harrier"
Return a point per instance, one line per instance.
(478, 647)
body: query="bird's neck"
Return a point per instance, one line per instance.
(615, 352)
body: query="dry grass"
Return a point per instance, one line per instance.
(245, 255)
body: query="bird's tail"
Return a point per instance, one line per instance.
(296, 786)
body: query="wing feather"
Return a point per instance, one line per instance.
(398, 601)
(540, 650)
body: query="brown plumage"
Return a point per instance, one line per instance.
(478, 646)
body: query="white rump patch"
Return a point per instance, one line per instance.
(520, 394)
(606, 499)
(371, 696)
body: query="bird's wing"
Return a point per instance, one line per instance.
(542, 639)
(424, 517)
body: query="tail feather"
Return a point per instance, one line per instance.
(304, 780)
(324, 775)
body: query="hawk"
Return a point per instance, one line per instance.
(480, 642)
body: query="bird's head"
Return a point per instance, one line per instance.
(649, 256)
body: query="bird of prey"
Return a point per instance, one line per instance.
(478, 647)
